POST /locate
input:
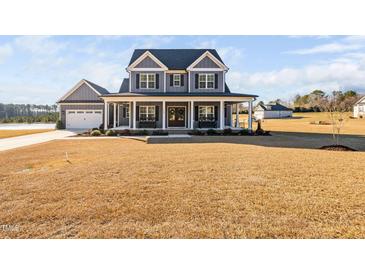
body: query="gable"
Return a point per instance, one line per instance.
(83, 93)
(147, 63)
(206, 63)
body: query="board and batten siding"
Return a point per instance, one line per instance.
(83, 93)
(220, 82)
(134, 79)
(64, 108)
(148, 63)
(206, 63)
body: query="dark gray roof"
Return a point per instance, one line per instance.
(100, 89)
(124, 87)
(81, 101)
(188, 94)
(274, 107)
(175, 58)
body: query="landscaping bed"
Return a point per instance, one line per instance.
(337, 148)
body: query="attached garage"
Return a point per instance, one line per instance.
(83, 118)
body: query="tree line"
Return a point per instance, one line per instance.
(28, 113)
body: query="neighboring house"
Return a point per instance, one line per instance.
(359, 108)
(272, 110)
(166, 89)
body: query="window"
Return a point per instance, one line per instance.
(147, 113)
(177, 80)
(206, 80)
(147, 80)
(206, 113)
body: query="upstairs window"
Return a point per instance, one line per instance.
(177, 80)
(206, 80)
(206, 113)
(147, 80)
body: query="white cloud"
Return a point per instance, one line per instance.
(327, 48)
(41, 45)
(5, 52)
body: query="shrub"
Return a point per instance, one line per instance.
(60, 125)
(244, 132)
(124, 132)
(160, 132)
(141, 132)
(95, 128)
(196, 132)
(95, 133)
(227, 131)
(110, 133)
(212, 132)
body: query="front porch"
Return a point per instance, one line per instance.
(175, 115)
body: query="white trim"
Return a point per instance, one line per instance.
(134, 115)
(105, 116)
(207, 69)
(173, 80)
(189, 81)
(147, 80)
(147, 106)
(360, 100)
(176, 71)
(191, 114)
(142, 57)
(206, 106)
(212, 57)
(130, 115)
(221, 116)
(163, 114)
(147, 69)
(114, 115)
(79, 84)
(142, 98)
(206, 80)
(184, 116)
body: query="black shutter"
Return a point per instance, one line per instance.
(171, 80)
(196, 113)
(157, 113)
(137, 81)
(137, 113)
(216, 113)
(182, 80)
(216, 80)
(157, 81)
(196, 81)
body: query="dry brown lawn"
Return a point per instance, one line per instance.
(7, 133)
(129, 189)
(301, 123)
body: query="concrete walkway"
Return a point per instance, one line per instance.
(31, 139)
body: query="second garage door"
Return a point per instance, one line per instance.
(83, 118)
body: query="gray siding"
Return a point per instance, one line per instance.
(192, 81)
(83, 93)
(148, 63)
(206, 63)
(133, 81)
(171, 88)
(63, 109)
(159, 104)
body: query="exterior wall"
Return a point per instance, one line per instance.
(134, 77)
(260, 114)
(83, 93)
(220, 82)
(159, 104)
(206, 63)
(148, 63)
(63, 109)
(187, 111)
(359, 110)
(170, 88)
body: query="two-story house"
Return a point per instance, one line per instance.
(166, 89)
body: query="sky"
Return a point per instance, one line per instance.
(40, 69)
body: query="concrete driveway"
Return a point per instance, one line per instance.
(26, 140)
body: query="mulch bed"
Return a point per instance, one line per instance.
(338, 148)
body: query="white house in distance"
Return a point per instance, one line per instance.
(359, 108)
(272, 111)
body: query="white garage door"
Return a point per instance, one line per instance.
(83, 118)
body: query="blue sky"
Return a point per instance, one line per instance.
(40, 69)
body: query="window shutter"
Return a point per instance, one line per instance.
(182, 80)
(157, 113)
(171, 80)
(137, 81)
(216, 80)
(196, 81)
(137, 113)
(196, 113)
(216, 113)
(157, 81)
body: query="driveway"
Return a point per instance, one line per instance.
(26, 140)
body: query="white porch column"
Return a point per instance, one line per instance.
(231, 112)
(237, 116)
(163, 114)
(130, 114)
(114, 115)
(118, 109)
(221, 122)
(192, 114)
(250, 115)
(105, 116)
(134, 114)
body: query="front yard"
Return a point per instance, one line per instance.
(129, 189)
(7, 133)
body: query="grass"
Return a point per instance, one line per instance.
(302, 123)
(7, 133)
(129, 189)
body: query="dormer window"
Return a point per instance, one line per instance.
(206, 80)
(147, 80)
(177, 80)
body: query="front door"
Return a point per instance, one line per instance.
(176, 117)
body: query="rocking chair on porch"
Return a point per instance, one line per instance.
(147, 124)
